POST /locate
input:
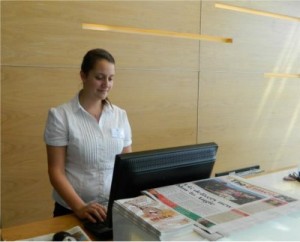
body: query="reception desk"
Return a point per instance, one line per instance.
(282, 228)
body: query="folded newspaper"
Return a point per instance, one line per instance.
(73, 234)
(154, 216)
(218, 206)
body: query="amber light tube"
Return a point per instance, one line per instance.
(256, 12)
(154, 32)
(282, 75)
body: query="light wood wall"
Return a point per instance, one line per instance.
(255, 120)
(176, 91)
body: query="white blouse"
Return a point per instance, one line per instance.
(91, 146)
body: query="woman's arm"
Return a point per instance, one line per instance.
(56, 170)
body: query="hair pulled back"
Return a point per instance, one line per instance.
(92, 56)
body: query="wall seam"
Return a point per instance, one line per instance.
(199, 69)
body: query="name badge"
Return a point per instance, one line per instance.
(117, 133)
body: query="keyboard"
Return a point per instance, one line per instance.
(99, 230)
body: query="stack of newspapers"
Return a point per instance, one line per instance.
(153, 216)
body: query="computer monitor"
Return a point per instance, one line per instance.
(137, 171)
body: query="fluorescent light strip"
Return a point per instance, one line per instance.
(256, 12)
(131, 30)
(282, 75)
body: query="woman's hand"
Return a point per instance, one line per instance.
(93, 211)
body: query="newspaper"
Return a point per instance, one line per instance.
(222, 205)
(75, 234)
(154, 216)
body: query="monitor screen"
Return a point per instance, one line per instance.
(137, 171)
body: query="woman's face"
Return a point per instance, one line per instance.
(99, 81)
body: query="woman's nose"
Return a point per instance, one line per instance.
(105, 82)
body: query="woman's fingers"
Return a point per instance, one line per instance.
(97, 212)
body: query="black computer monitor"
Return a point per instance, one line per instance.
(137, 171)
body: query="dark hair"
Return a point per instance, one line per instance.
(94, 55)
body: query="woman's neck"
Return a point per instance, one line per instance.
(92, 106)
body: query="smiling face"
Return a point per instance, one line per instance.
(98, 82)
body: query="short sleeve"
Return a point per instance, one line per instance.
(127, 131)
(56, 132)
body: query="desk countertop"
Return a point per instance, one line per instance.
(275, 180)
(51, 225)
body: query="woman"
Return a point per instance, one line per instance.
(82, 138)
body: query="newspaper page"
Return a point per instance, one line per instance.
(222, 205)
(74, 234)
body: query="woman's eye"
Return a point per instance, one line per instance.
(99, 77)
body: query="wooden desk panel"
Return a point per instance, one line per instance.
(51, 225)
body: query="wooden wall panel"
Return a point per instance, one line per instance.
(260, 44)
(28, 93)
(254, 119)
(45, 33)
(249, 119)
(165, 101)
